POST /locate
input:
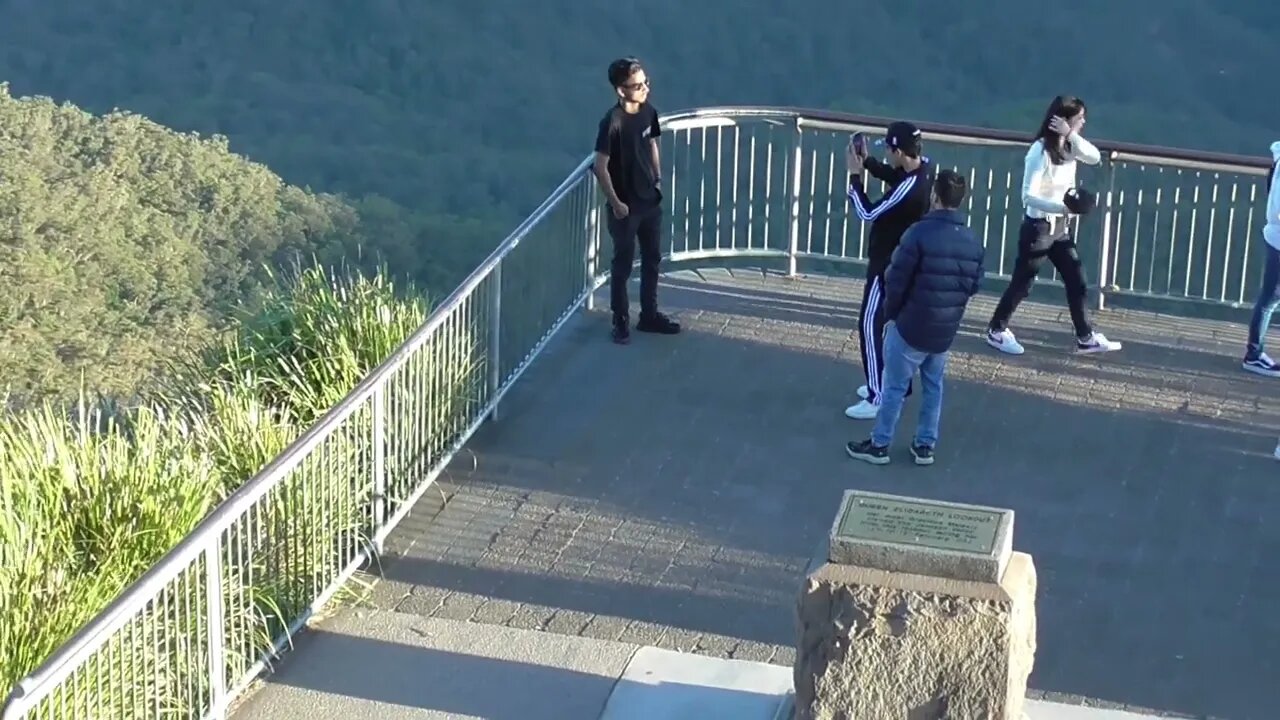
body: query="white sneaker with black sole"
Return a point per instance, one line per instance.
(1096, 343)
(1262, 365)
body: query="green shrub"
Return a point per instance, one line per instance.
(90, 499)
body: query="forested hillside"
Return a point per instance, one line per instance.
(438, 124)
(124, 245)
(478, 109)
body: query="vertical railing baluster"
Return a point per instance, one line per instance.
(796, 178)
(1104, 243)
(751, 191)
(495, 338)
(1248, 241)
(589, 255)
(379, 463)
(733, 204)
(214, 625)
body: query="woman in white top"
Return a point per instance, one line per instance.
(1050, 198)
(1255, 355)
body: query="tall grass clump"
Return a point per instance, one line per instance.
(92, 497)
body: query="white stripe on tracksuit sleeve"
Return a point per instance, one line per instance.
(885, 204)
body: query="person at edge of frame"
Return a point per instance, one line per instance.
(907, 176)
(935, 271)
(1051, 199)
(629, 171)
(1256, 359)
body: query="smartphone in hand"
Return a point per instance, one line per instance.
(859, 142)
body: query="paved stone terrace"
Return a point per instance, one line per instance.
(670, 492)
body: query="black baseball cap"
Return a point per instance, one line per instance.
(901, 135)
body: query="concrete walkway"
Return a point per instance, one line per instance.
(393, 666)
(670, 492)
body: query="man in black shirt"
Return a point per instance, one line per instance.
(629, 172)
(909, 179)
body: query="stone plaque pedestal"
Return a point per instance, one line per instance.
(915, 610)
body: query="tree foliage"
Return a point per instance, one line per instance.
(124, 244)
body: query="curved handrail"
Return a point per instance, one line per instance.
(91, 637)
(1131, 150)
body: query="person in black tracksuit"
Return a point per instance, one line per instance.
(909, 179)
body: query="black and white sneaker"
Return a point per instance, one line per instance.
(923, 454)
(1262, 365)
(866, 451)
(1096, 343)
(1004, 341)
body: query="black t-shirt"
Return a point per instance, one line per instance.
(624, 137)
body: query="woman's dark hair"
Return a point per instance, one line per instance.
(1066, 107)
(621, 69)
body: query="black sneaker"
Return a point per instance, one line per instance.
(621, 330)
(867, 452)
(923, 454)
(1262, 365)
(658, 323)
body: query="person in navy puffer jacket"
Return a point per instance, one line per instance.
(936, 269)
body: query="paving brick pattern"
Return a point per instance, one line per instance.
(670, 492)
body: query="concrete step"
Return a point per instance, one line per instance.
(396, 666)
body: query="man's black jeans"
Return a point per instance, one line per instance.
(641, 226)
(1035, 243)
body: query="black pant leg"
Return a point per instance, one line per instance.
(649, 236)
(1066, 259)
(871, 323)
(623, 233)
(1033, 246)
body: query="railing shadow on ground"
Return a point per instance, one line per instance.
(343, 667)
(345, 673)
(1139, 523)
(1167, 358)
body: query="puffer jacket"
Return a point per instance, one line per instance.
(936, 269)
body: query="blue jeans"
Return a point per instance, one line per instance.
(900, 364)
(1268, 299)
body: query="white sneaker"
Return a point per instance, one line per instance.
(1005, 342)
(1096, 343)
(863, 392)
(1262, 365)
(862, 411)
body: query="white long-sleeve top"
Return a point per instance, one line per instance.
(1271, 231)
(1044, 183)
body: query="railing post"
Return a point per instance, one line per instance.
(793, 248)
(1104, 242)
(589, 259)
(495, 338)
(379, 464)
(216, 628)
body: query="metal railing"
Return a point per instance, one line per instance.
(771, 182)
(191, 634)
